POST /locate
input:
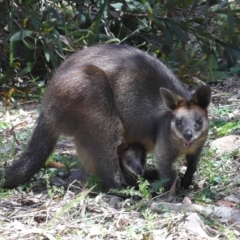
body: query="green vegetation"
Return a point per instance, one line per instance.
(225, 122)
(196, 38)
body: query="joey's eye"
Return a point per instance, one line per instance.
(178, 122)
(129, 162)
(199, 121)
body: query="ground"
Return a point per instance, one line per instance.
(54, 206)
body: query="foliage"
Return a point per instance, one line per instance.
(225, 122)
(143, 189)
(36, 36)
(222, 128)
(214, 173)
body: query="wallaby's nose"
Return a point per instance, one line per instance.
(187, 134)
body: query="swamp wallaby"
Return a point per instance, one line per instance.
(169, 123)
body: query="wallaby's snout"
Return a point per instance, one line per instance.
(188, 137)
(139, 170)
(188, 134)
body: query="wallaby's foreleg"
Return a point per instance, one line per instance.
(192, 160)
(164, 159)
(38, 150)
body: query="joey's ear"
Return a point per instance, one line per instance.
(170, 99)
(202, 96)
(121, 149)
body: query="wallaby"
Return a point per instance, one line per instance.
(170, 123)
(132, 159)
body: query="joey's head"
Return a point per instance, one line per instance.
(132, 159)
(189, 122)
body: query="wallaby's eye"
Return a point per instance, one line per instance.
(178, 121)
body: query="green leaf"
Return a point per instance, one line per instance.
(58, 42)
(179, 32)
(165, 30)
(26, 44)
(52, 22)
(79, 32)
(103, 37)
(233, 52)
(199, 61)
(230, 21)
(35, 22)
(46, 53)
(113, 40)
(98, 20)
(26, 69)
(117, 6)
(190, 59)
(33, 17)
(147, 8)
(20, 35)
(235, 70)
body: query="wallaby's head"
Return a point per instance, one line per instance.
(132, 159)
(189, 122)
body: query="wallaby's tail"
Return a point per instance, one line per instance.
(38, 150)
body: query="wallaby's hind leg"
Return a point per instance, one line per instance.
(38, 150)
(90, 115)
(99, 153)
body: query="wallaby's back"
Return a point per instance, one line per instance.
(135, 78)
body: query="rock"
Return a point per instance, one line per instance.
(233, 198)
(226, 144)
(114, 200)
(192, 223)
(223, 214)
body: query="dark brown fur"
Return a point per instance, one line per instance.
(77, 105)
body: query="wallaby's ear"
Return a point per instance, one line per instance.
(121, 149)
(170, 99)
(202, 96)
